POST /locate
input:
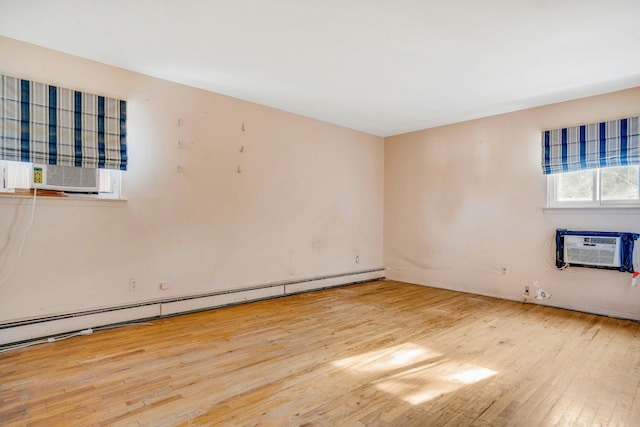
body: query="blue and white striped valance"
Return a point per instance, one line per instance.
(45, 124)
(598, 145)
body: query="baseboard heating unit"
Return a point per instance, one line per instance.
(49, 326)
(595, 249)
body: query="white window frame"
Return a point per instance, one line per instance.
(596, 201)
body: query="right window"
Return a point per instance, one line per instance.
(611, 186)
(593, 165)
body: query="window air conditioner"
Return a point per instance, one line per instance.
(592, 250)
(65, 178)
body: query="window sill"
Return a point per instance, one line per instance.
(600, 210)
(61, 200)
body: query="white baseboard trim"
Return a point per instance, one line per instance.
(70, 324)
(197, 304)
(545, 303)
(42, 327)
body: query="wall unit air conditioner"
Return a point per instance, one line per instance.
(65, 178)
(592, 250)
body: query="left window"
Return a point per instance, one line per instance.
(60, 138)
(17, 176)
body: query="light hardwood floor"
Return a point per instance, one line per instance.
(382, 354)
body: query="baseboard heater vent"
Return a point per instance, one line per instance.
(42, 327)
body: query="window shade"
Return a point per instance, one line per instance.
(596, 145)
(40, 123)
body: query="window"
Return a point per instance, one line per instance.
(17, 176)
(613, 186)
(63, 129)
(593, 165)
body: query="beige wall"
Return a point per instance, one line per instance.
(463, 200)
(460, 202)
(308, 200)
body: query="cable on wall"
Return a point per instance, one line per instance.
(24, 238)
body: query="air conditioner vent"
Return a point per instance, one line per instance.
(602, 240)
(65, 178)
(592, 250)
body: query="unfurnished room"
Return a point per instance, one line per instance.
(303, 213)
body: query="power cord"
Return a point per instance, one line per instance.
(24, 238)
(47, 340)
(84, 332)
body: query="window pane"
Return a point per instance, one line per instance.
(575, 186)
(619, 183)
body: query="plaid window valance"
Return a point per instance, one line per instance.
(40, 123)
(597, 145)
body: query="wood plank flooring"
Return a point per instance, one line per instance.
(382, 354)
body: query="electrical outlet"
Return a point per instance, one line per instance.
(164, 286)
(358, 260)
(503, 271)
(133, 285)
(526, 290)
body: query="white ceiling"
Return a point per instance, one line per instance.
(380, 66)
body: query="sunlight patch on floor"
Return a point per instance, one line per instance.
(387, 359)
(415, 373)
(422, 385)
(472, 375)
